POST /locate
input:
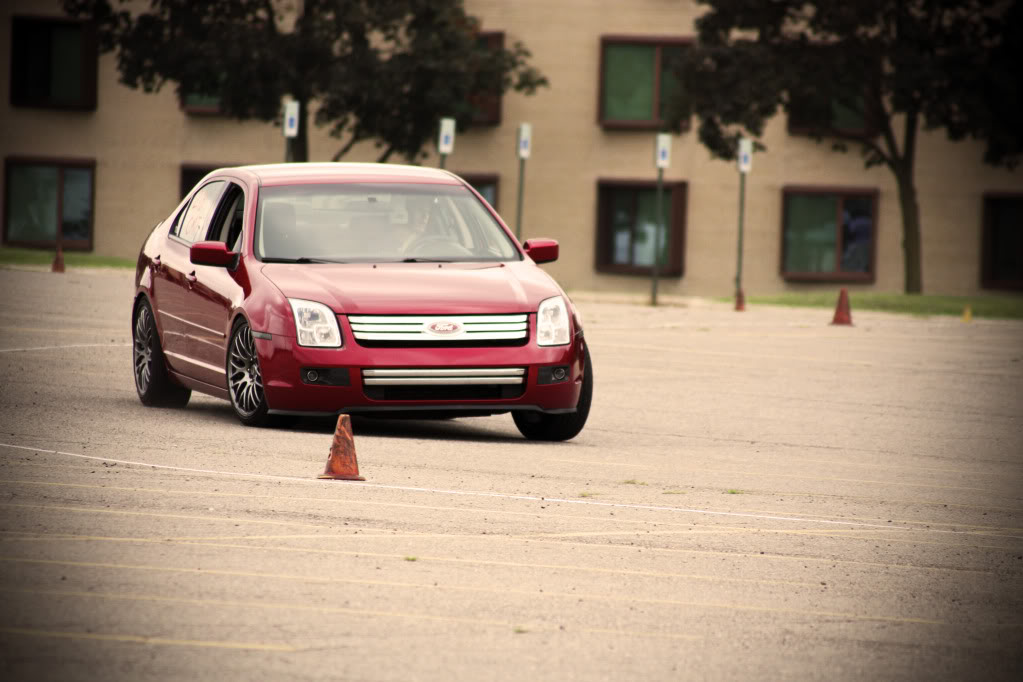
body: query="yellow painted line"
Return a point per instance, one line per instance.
(802, 360)
(575, 596)
(118, 331)
(606, 464)
(835, 479)
(476, 510)
(446, 560)
(190, 517)
(138, 639)
(294, 606)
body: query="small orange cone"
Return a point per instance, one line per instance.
(58, 261)
(842, 315)
(967, 314)
(342, 464)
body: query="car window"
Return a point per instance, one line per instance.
(196, 219)
(378, 223)
(227, 223)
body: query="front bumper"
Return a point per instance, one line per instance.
(432, 379)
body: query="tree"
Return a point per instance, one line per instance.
(381, 70)
(894, 65)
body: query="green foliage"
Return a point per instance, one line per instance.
(995, 306)
(73, 259)
(939, 64)
(950, 65)
(382, 70)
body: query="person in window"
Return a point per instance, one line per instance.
(421, 223)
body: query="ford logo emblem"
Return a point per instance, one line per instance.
(443, 328)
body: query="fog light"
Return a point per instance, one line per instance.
(560, 373)
(312, 376)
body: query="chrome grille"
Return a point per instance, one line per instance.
(455, 384)
(444, 377)
(440, 329)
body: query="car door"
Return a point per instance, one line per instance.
(214, 292)
(175, 277)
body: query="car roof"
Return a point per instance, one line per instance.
(316, 173)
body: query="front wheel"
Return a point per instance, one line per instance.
(152, 383)
(244, 378)
(538, 426)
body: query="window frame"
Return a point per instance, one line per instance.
(198, 110)
(60, 163)
(659, 43)
(196, 166)
(89, 59)
(838, 275)
(487, 109)
(987, 280)
(484, 179)
(677, 196)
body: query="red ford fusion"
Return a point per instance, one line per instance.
(317, 289)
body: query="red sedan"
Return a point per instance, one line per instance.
(316, 289)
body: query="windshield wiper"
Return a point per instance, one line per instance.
(425, 260)
(300, 261)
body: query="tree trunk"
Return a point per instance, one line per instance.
(910, 231)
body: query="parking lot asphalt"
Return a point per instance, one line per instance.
(757, 495)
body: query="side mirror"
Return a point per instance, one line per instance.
(541, 250)
(212, 253)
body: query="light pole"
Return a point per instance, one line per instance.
(745, 163)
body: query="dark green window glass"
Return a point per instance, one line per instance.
(202, 102)
(629, 82)
(810, 234)
(1005, 228)
(45, 196)
(634, 226)
(32, 207)
(829, 233)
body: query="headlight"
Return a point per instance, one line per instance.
(552, 322)
(316, 324)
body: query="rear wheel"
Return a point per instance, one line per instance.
(539, 426)
(244, 378)
(152, 383)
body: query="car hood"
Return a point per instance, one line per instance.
(416, 288)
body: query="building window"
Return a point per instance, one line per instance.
(829, 234)
(485, 184)
(637, 82)
(487, 106)
(45, 196)
(53, 63)
(808, 116)
(627, 225)
(1002, 266)
(200, 104)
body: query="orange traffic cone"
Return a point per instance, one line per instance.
(842, 315)
(58, 261)
(342, 464)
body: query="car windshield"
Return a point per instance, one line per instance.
(377, 223)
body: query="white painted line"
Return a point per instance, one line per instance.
(77, 345)
(472, 493)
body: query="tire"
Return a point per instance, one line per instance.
(152, 382)
(556, 427)
(245, 379)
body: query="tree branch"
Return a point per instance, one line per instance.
(386, 155)
(348, 145)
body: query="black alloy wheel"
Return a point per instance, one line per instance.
(152, 383)
(244, 377)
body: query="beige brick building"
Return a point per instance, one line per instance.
(113, 167)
